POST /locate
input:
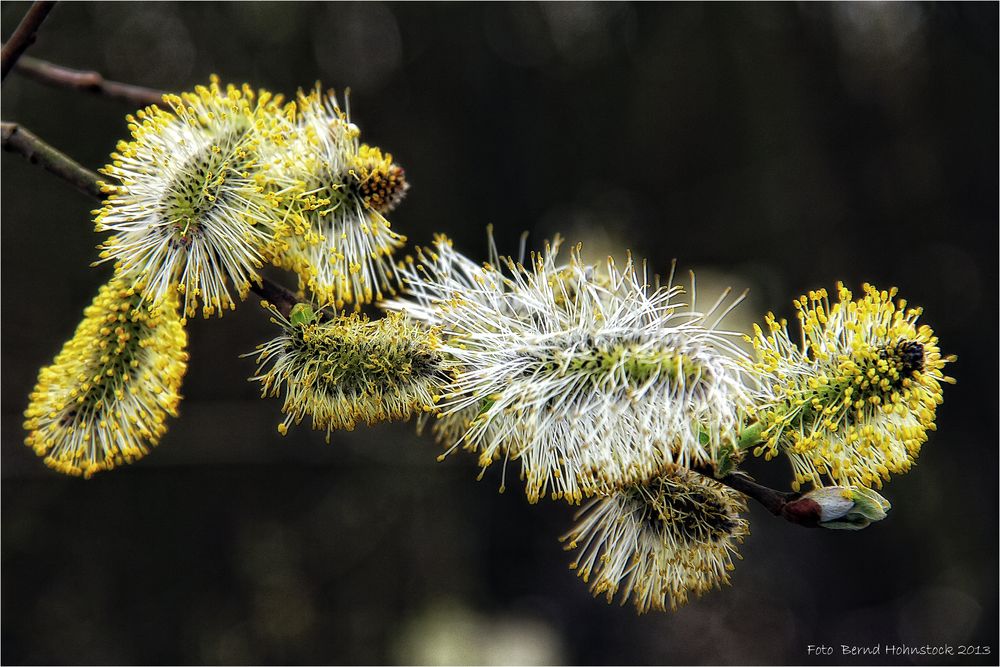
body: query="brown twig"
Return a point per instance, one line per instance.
(774, 501)
(24, 35)
(280, 296)
(87, 81)
(18, 140)
(790, 506)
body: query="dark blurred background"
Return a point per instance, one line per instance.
(777, 147)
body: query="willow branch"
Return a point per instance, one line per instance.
(774, 501)
(87, 81)
(18, 140)
(786, 505)
(24, 36)
(280, 296)
(790, 506)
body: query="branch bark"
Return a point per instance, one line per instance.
(87, 81)
(24, 35)
(774, 501)
(785, 504)
(280, 296)
(18, 140)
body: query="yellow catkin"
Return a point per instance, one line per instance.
(658, 543)
(187, 206)
(854, 400)
(105, 399)
(334, 195)
(350, 369)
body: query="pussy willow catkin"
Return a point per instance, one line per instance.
(349, 369)
(588, 376)
(659, 542)
(105, 399)
(185, 200)
(225, 179)
(854, 400)
(335, 195)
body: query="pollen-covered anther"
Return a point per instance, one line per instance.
(909, 356)
(380, 183)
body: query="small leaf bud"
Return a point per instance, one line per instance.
(839, 507)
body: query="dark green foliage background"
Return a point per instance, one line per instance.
(786, 146)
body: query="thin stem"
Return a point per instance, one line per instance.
(87, 81)
(280, 296)
(790, 506)
(774, 501)
(24, 35)
(18, 140)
